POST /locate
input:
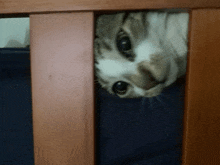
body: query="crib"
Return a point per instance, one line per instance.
(57, 28)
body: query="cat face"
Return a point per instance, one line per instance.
(133, 57)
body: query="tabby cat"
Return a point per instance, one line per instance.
(138, 54)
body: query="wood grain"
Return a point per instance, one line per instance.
(62, 88)
(202, 103)
(34, 6)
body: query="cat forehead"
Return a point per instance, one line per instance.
(113, 68)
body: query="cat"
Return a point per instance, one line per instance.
(138, 54)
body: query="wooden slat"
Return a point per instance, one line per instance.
(202, 108)
(62, 88)
(30, 6)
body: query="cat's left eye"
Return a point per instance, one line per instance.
(120, 87)
(124, 45)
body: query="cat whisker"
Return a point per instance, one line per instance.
(162, 102)
(151, 103)
(167, 96)
(164, 95)
(143, 101)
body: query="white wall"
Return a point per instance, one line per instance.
(14, 32)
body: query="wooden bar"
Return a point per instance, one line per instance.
(202, 104)
(27, 6)
(62, 88)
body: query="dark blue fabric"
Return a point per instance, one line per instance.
(140, 131)
(16, 134)
(129, 131)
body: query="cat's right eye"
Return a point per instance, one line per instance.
(120, 87)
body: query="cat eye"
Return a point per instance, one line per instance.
(120, 87)
(124, 45)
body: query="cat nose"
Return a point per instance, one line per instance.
(143, 69)
(144, 78)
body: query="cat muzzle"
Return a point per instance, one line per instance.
(145, 79)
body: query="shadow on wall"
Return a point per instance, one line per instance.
(12, 43)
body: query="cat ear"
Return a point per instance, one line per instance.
(107, 25)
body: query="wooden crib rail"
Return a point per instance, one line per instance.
(201, 142)
(37, 6)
